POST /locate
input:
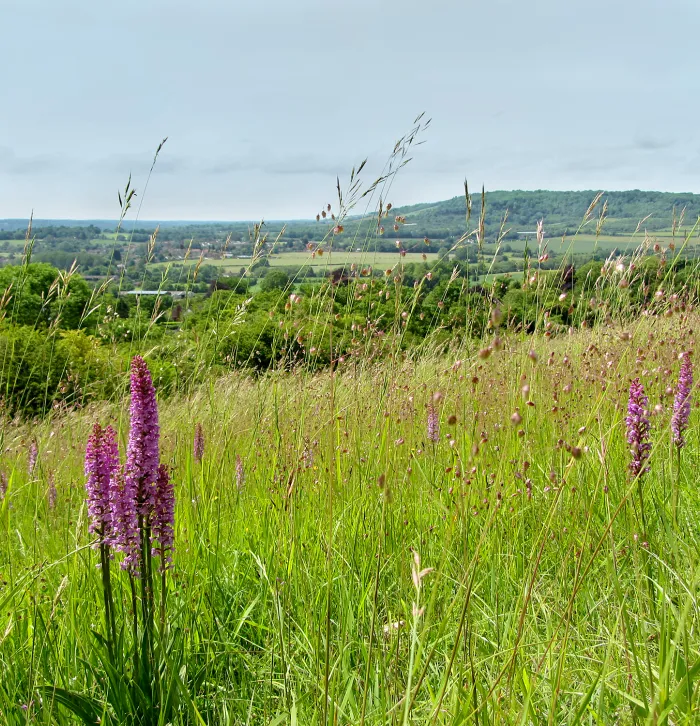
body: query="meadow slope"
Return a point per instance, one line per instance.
(448, 539)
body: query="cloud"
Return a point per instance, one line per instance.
(140, 162)
(14, 165)
(652, 143)
(224, 166)
(600, 161)
(42, 164)
(305, 163)
(448, 163)
(298, 164)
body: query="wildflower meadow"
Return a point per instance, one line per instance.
(503, 532)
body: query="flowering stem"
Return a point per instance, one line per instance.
(110, 626)
(147, 592)
(676, 487)
(641, 508)
(374, 613)
(135, 624)
(412, 658)
(645, 540)
(163, 597)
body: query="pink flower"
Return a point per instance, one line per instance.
(164, 517)
(33, 456)
(133, 494)
(142, 449)
(240, 473)
(433, 424)
(53, 492)
(101, 464)
(126, 536)
(638, 428)
(198, 442)
(681, 403)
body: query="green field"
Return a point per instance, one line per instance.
(320, 263)
(588, 243)
(341, 258)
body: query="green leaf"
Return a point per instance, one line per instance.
(585, 701)
(678, 697)
(85, 708)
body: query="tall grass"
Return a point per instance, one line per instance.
(293, 596)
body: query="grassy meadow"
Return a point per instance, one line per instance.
(449, 538)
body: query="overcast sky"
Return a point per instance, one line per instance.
(266, 101)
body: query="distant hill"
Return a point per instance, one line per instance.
(7, 225)
(561, 211)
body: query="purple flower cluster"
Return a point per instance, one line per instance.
(52, 491)
(198, 442)
(101, 465)
(126, 534)
(164, 516)
(125, 503)
(142, 449)
(638, 427)
(433, 424)
(32, 458)
(681, 403)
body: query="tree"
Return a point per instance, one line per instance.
(274, 280)
(37, 299)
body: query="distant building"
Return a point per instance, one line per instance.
(175, 294)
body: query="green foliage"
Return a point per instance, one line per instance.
(39, 370)
(33, 368)
(41, 297)
(289, 321)
(274, 280)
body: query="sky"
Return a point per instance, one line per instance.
(265, 102)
